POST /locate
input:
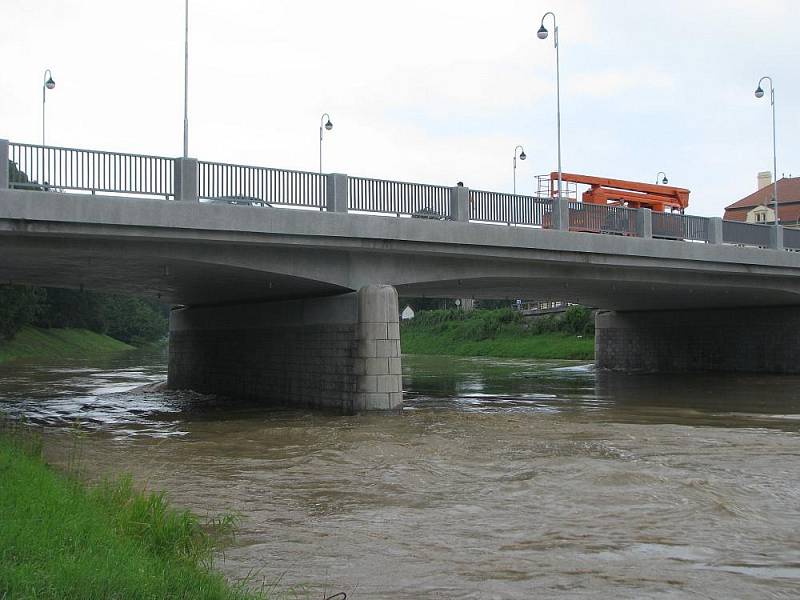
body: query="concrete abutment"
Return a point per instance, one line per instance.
(339, 352)
(755, 340)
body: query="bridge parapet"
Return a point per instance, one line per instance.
(58, 169)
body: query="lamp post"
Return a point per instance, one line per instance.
(664, 181)
(47, 84)
(542, 34)
(522, 156)
(324, 125)
(760, 93)
(186, 81)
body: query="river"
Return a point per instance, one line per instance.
(499, 478)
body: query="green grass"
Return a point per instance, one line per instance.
(61, 539)
(500, 332)
(49, 344)
(545, 345)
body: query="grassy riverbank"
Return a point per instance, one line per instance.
(49, 344)
(502, 333)
(61, 539)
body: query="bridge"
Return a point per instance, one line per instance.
(285, 283)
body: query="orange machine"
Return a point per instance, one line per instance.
(631, 194)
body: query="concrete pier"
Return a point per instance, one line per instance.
(340, 352)
(756, 340)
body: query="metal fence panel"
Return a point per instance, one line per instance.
(260, 185)
(495, 207)
(746, 234)
(600, 218)
(55, 169)
(680, 227)
(398, 198)
(791, 238)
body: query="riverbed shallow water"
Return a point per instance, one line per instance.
(499, 478)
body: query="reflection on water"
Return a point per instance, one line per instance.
(500, 479)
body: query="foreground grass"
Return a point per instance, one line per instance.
(48, 344)
(545, 345)
(60, 539)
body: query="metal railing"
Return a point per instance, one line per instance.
(496, 207)
(746, 234)
(674, 226)
(599, 218)
(260, 185)
(55, 169)
(791, 239)
(398, 198)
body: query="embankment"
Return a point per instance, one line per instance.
(55, 344)
(502, 333)
(62, 539)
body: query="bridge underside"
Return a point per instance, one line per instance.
(678, 306)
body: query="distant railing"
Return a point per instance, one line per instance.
(495, 207)
(600, 218)
(398, 198)
(55, 169)
(680, 227)
(260, 185)
(791, 239)
(746, 234)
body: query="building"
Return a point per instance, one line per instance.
(757, 207)
(407, 314)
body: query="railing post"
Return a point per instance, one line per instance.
(715, 230)
(185, 184)
(644, 223)
(4, 164)
(561, 214)
(336, 192)
(459, 203)
(776, 237)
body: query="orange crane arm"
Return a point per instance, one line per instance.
(642, 194)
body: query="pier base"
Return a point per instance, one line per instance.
(756, 340)
(340, 352)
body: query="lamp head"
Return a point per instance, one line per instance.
(665, 181)
(759, 92)
(328, 125)
(50, 84)
(522, 155)
(542, 33)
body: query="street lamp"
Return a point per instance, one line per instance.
(665, 181)
(47, 84)
(759, 94)
(324, 124)
(522, 156)
(542, 34)
(186, 80)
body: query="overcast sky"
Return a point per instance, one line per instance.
(427, 91)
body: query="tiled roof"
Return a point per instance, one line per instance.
(788, 191)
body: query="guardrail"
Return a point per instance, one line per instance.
(47, 168)
(496, 207)
(398, 198)
(599, 218)
(673, 226)
(746, 234)
(55, 168)
(791, 239)
(240, 184)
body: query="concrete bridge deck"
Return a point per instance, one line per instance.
(282, 304)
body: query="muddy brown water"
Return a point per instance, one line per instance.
(499, 479)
